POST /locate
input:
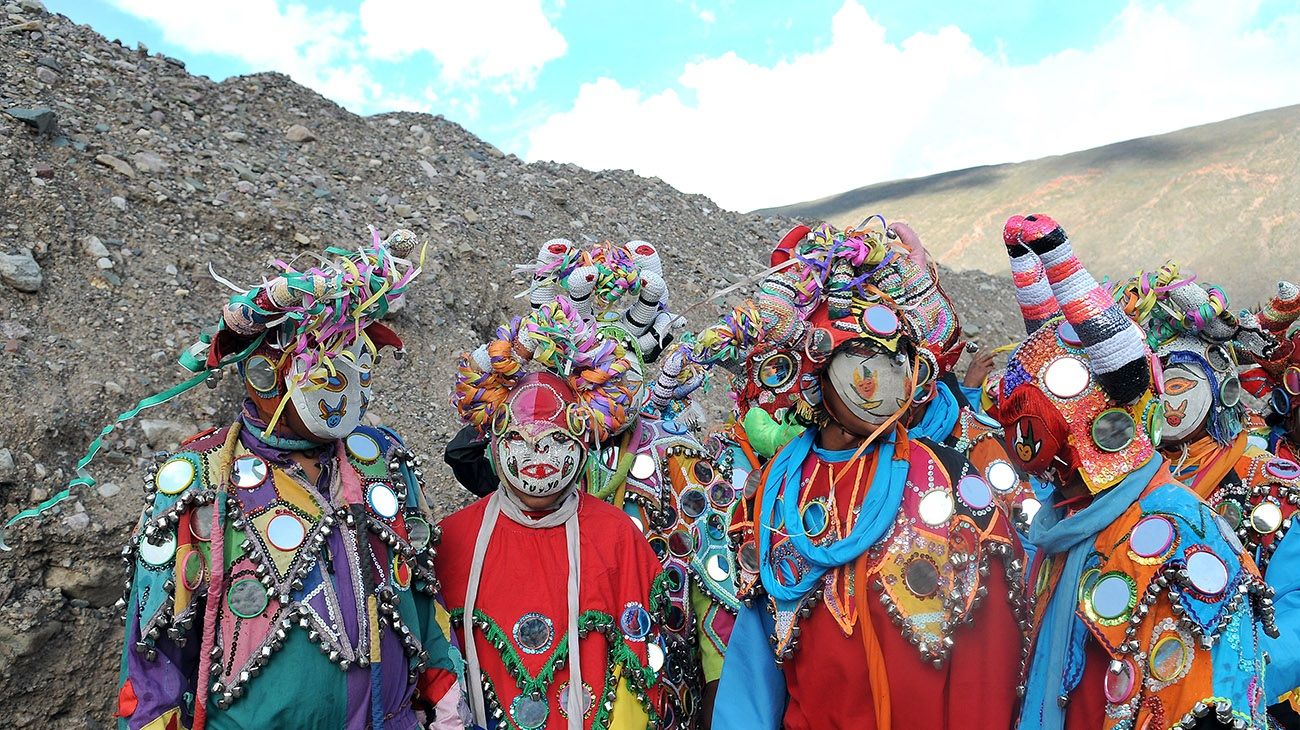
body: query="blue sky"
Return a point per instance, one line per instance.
(740, 100)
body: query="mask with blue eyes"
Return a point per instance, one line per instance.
(331, 403)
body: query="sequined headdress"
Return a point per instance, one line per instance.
(1080, 392)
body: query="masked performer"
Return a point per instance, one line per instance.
(556, 595)
(887, 579)
(1148, 611)
(283, 564)
(652, 467)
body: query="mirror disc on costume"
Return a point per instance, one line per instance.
(194, 569)
(201, 523)
(363, 447)
(1218, 357)
(654, 656)
(248, 471)
(676, 579)
(1266, 518)
(529, 713)
(1283, 468)
(1067, 377)
(635, 622)
(821, 344)
(747, 556)
(285, 532)
(383, 500)
(401, 572)
(588, 700)
(1169, 658)
(1207, 572)
(418, 532)
(1112, 596)
(703, 471)
(176, 475)
(777, 371)
(1230, 391)
(1029, 508)
(752, 482)
(1280, 402)
(1068, 335)
(534, 633)
(716, 528)
(643, 467)
(1291, 380)
(1001, 475)
(975, 491)
(921, 577)
(880, 320)
(260, 373)
(679, 544)
(722, 495)
(1230, 511)
(1156, 422)
(693, 503)
(1114, 430)
(660, 547)
(718, 568)
(247, 598)
(936, 507)
(1119, 682)
(815, 518)
(1151, 537)
(674, 618)
(160, 554)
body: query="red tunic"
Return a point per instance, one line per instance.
(523, 595)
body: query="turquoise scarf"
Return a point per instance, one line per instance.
(1074, 536)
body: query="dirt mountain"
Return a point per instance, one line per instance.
(123, 177)
(1221, 199)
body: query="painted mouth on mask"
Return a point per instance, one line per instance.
(539, 471)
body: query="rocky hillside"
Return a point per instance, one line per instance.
(1222, 199)
(124, 178)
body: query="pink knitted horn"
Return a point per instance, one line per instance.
(1033, 293)
(1117, 351)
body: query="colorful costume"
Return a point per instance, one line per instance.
(572, 595)
(1148, 611)
(880, 582)
(653, 468)
(263, 595)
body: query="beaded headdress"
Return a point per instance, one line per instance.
(312, 316)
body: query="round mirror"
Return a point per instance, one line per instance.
(1151, 537)
(534, 633)
(1113, 430)
(1002, 476)
(1112, 596)
(175, 476)
(383, 500)
(158, 554)
(921, 577)
(880, 320)
(1207, 572)
(1067, 377)
(285, 532)
(718, 568)
(248, 471)
(643, 467)
(247, 598)
(936, 507)
(261, 375)
(975, 492)
(363, 447)
(1266, 518)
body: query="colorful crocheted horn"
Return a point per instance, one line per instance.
(1281, 311)
(1033, 293)
(1116, 349)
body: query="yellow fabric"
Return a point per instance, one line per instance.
(710, 652)
(628, 714)
(169, 720)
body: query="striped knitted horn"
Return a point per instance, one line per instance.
(1033, 293)
(1117, 351)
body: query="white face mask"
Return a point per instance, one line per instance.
(334, 410)
(1187, 398)
(872, 387)
(541, 467)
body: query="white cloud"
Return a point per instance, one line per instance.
(707, 16)
(862, 110)
(309, 45)
(507, 41)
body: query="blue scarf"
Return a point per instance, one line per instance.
(940, 416)
(1074, 536)
(877, 514)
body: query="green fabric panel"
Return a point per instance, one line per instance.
(276, 698)
(767, 436)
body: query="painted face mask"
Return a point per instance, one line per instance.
(1187, 398)
(331, 404)
(533, 446)
(872, 386)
